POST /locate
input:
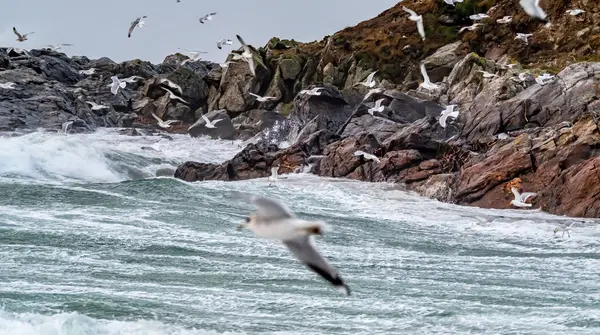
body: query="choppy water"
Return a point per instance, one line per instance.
(91, 242)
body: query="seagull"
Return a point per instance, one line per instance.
(273, 220)
(505, 19)
(65, 126)
(173, 95)
(533, 9)
(477, 17)
(541, 79)
(21, 38)
(367, 156)
(8, 85)
(448, 112)
(139, 22)
(57, 47)
(164, 124)
(418, 19)
(452, 2)
(377, 108)
(88, 72)
(95, 106)
(575, 12)
(247, 55)
(194, 56)
(470, 28)
(520, 198)
(206, 17)
(210, 124)
(427, 84)
(523, 37)
(116, 84)
(488, 74)
(564, 229)
(226, 64)
(273, 177)
(261, 99)
(369, 82)
(371, 92)
(314, 91)
(222, 42)
(171, 85)
(132, 79)
(17, 50)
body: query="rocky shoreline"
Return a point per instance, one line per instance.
(511, 131)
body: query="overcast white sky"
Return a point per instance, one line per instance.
(98, 28)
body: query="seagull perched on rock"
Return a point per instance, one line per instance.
(223, 42)
(369, 157)
(57, 47)
(533, 9)
(163, 124)
(273, 220)
(96, 106)
(261, 99)
(446, 113)
(575, 12)
(313, 91)
(173, 95)
(427, 84)
(21, 38)
(116, 84)
(8, 85)
(523, 37)
(505, 19)
(418, 19)
(377, 108)
(247, 55)
(470, 28)
(521, 198)
(370, 81)
(88, 72)
(139, 22)
(207, 17)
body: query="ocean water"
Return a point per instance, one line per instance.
(92, 241)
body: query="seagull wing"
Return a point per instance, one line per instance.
(133, 25)
(250, 62)
(370, 77)
(527, 195)
(268, 209)
(205, 119)
(17, 33)
(516, 193)
(453, 114)
(213, 13)
(244, 45)
(157, 118)
(424, 73)
(304, 249)
(409, 11)
(420, 28)
(359, 153)
(215, 121)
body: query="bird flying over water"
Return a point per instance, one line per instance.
(163, 124)
(23, 37)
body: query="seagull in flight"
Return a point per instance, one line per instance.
(247, 55)
(575, 12)
(173, 95)
(505, 19)
(523, 37)
(8, 85)
(448, 112)
(478, 17)
(452, 2)
(313, 91)
(21, 38)
(418, 19)
(139, 22)
(488, 74)
(57, 47)
(273, 220)
(370, 81)
(377, 108)
(226, 64)
(427, 84)
(194, 56)
(116, 84)
(367, 156)
(223, 42)
(132, 79)
(164, 124)
(96, 106)
(206, 17)
(521, 198)
(470, 28)
(533, 9)
(210, 124)
(88, 72)
(171, 85)
(261, 99)
(371, 92)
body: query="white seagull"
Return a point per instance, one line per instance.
(313, 91)
(520, 198)
(377, 108)
(523, 37)
(367, 156)
(427, 84)
(452, 2)
(575, 12)
(210, 124)
(139, 22)
(116, 84)
(488, 74)
(541, 79)
(418, 19)
(96, 106)
(194, 56)
(261, 99)
(88, 72)
(273, 220)
(533, 9)
(164, 124)
(470, 28)
(173, 95)
(171, 85)
(223, 42)
(446, 113)
(23, 37)
(564, 229)
(505, 19)
(273, 177)
(132, 79)
(370, 81)
(8, 85)
(207, 17)
(478, 17)
(371, 92)
(226, 64)
(247, 55)
(56, 47)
